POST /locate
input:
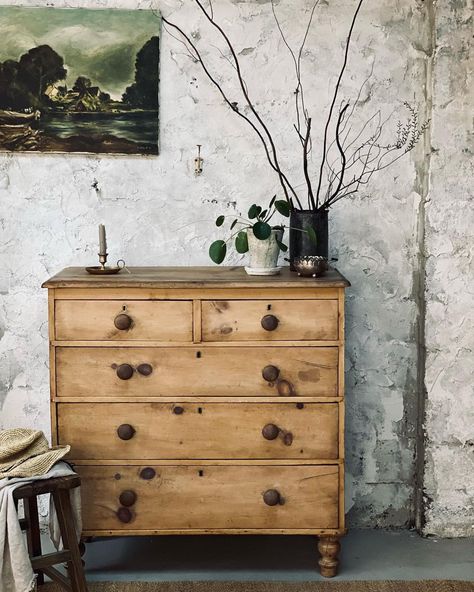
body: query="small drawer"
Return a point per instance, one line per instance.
(114, 320)
(275, 320)
(116, 498)
(196, 371)
(199, 430)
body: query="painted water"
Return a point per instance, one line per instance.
(135, 126)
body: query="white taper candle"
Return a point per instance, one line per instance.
(102, 240)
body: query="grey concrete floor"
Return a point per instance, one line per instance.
(366, 555)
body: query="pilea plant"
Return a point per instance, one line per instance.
(257, 221)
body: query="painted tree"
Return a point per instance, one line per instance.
(40, 67)
(143, 93)
(13, 95)
(81, 85)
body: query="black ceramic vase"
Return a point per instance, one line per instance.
(300, 243)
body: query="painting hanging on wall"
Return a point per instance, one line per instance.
(79, 80)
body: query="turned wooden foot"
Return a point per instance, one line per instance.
(329, 547)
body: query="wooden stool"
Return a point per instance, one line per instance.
(59, 488)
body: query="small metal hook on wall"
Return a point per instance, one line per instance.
(198, 161)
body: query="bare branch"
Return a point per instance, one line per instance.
(247, 98)
(299, 135)
(371, 157)
(305, 139)
(227, 59)
(295, 61)
(275, 166)
(357, 99)
(341, 73)
(360, 154)
(311, 202)
(189, 54)
(341, 150)
(300, 53)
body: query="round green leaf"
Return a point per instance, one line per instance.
(283, 207)
(254, 211)
(282, 246)
(312, 234)
(220, 220)
(262, 230)
(217, 251)
(241, 242)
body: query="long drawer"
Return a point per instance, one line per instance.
(269, 320)
(116, 320)
(196, 371)
(206, 496)
(199, 431)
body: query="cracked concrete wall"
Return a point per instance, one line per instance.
(449, 480)
(158, 213)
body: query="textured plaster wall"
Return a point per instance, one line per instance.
(449, 479)
(158, 213)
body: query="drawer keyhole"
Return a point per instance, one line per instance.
(198, 354)
(201, 473)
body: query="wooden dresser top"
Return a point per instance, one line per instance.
(191, 277)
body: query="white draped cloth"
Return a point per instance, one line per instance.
(16, 574)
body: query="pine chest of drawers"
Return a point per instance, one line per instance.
(202, 401)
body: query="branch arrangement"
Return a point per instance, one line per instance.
(359, 154)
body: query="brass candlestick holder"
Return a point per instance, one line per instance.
(102, 269)
(103, 259)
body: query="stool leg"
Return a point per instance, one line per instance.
(33, 535)
(68, 535)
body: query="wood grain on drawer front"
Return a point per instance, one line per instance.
(196, 371)
(199, 430)
(93, 320)
(295, 320)
(183, 497)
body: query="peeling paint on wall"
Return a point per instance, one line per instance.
(157, 213)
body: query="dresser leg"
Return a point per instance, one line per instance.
(329, 547)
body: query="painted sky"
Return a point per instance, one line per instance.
(99, 44)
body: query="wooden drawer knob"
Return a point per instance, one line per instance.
(123, 322)
(124, 515)
(270, 322)
(285, 388)
(272, 497)
(147, 473)
(127, 498)
(145, 369)
(125, 371)
(178, 410)
(270, 373)
(270, 431)
(125, 431)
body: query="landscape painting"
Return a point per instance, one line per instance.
(79, 80)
